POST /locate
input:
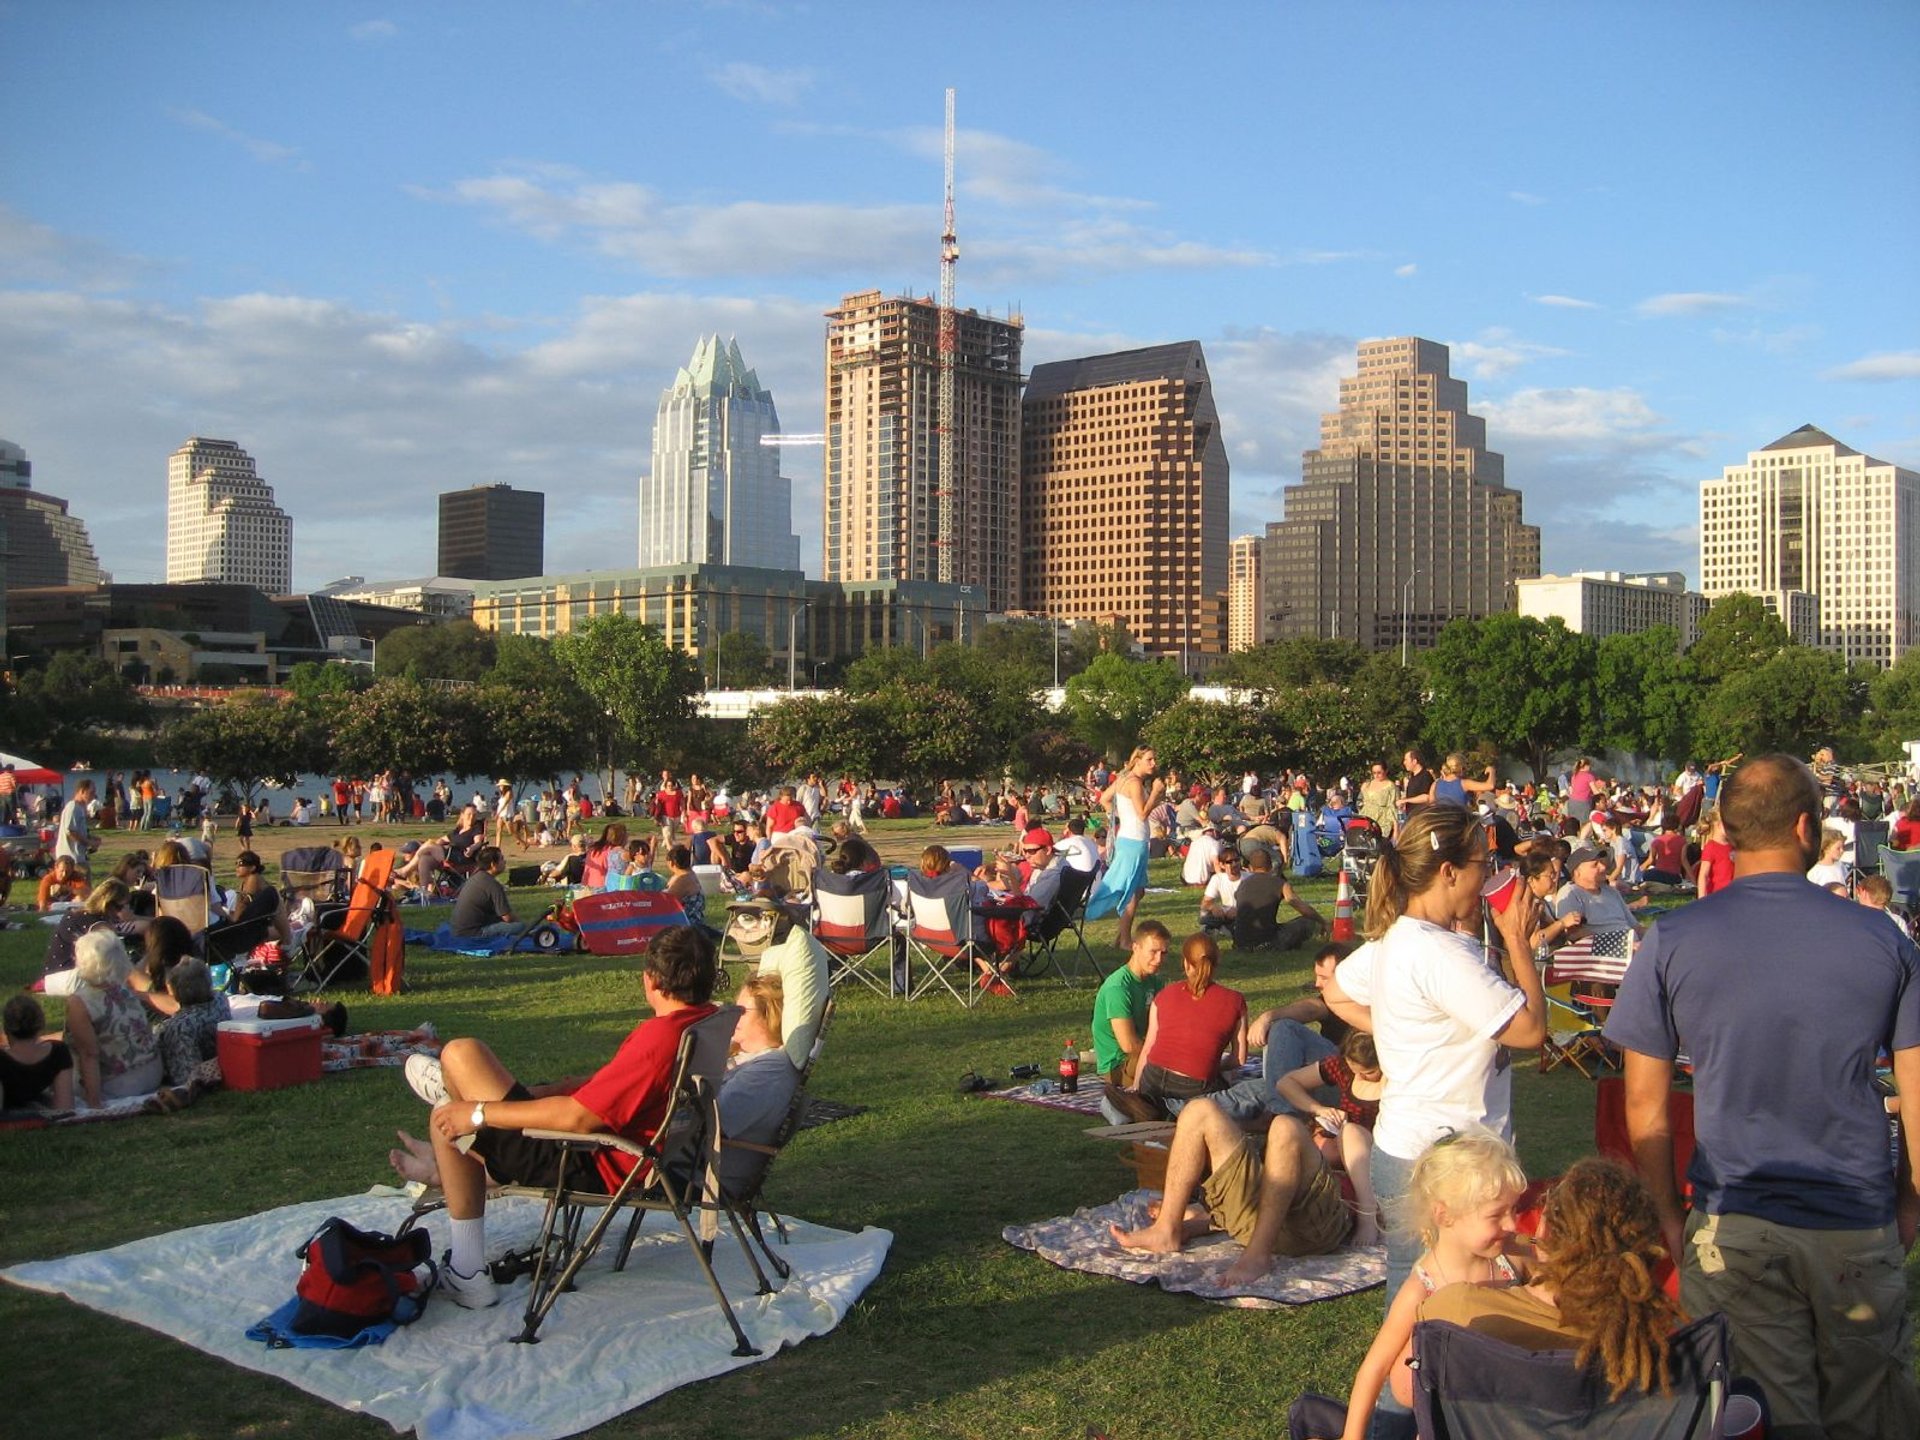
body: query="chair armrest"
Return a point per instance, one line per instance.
(598, 1138)
(753, 1145)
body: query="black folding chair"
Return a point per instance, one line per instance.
(1067, 915)
(743, 1182)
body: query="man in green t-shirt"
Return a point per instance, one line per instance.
(1120, 1011)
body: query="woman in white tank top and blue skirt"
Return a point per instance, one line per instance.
(1128, 798)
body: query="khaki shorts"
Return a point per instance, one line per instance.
(1317, 1223)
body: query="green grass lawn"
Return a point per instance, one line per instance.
(961, 1335)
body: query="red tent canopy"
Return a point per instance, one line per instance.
(26, 772)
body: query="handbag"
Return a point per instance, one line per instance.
(354, 1279)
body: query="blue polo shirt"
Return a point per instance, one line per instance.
(1783, 995)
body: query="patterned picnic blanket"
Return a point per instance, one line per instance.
(1081, 1241)
(377, 1048)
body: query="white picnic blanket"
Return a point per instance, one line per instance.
(615, 1343)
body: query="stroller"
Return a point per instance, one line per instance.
(1361, 853)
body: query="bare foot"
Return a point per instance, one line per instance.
(1366, 1233)
(1155, 1239)
(422, 1149)
(411, 1167)
(1246, 1272)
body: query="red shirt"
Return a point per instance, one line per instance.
(629, 1094)
(1716, 867)
(1906, 833)
(1669, 852)
(1190, 1033)
(782, 816)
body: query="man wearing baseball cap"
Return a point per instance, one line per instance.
(1041, 866)
(1588, 896)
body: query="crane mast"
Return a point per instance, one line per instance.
(946, 447)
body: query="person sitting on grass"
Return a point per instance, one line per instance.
(63, 884)
(1260, 894)
(107, 907)
(1218, 905)
(1120, 1010)
(189, 1037)
(1460, 1201)
(683, 885)
(1273, 1195)
(33, 1069)
(480, 1111)
(567, 869)
(1346, 1125)
(482, 910)
(1189, 1027)
(107, 1027)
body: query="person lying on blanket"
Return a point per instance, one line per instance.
(480, 1110)
(1276, 1197)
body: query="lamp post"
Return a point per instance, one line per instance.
(793, 624)
(1406, 603)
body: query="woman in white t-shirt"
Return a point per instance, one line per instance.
(1439, 1008)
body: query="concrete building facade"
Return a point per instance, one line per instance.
(1403, 520)
(1124, 495)
(1827, 536)
(222, 522)
(1609, 602)
(41, 543)
(492, 532)
(883, 490)
(715, 495)
(1246, 596)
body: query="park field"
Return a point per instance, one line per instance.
(961, 1335)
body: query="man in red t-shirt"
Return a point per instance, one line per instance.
(474, 1095)
(784, 813)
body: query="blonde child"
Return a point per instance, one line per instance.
(1343, 1131)
(1460, 1202)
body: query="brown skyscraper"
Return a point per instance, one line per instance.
(1124, 496)
(882, 478)
(1402, 520)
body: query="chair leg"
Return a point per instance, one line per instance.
(744, 1346)
(780, 1266)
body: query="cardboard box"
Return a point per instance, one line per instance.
(269, 1054)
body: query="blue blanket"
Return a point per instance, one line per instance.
(542, 939)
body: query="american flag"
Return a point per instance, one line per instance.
(1600, 957)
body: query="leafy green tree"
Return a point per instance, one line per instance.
(248, 740)
(1111, 701)
(1794, 701)
(455, 650)
(922, 736)
(640, 689)
(1206, 740)
(401, 725)
(1388, 704)
(1329, 730)
(1024, 649)
(317, 680)
(1000, 700)
(1052, 753)
(739, 661)
(1895, 695)
(1522, 684)
(826, 733)
(1738, 633)
(1092, 639)
(1645, 693)
(519, 734)
(60, 707)
(1302, 660)
(881, 669)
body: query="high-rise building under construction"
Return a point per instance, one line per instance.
(882, 480)
(1403, 520)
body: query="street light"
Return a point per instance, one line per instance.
(793, 622)
(1406, 601)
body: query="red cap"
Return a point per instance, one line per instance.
(1037, 837)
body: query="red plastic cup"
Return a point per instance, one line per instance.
(1742, 1419)
(1499, 889)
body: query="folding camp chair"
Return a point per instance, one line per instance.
(315, 872)
(741, 1187)
(1065, 916)
(1902, 869)
(1869, 839)
(1592, 968)
(677, 1171)
(1469, 1386)
(366, 931)
(940, 934)
(1610, 1126)
(185, 892)
(853, 921)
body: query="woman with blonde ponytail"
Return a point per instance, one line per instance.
(1439, 1008)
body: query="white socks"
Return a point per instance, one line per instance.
(469, 1250)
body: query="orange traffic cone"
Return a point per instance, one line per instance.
(1343, 908)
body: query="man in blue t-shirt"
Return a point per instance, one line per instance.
(1783, 995)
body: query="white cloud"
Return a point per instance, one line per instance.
(1564, 302)
(373, 30)
(1406, 272)
(1578, 414)
(1693, 302)
(36, 254)
(1499, 352)
(761, 84)
(360, 419)
(267, 152)
(1890, 365)
(751, 237)
(1523, 197)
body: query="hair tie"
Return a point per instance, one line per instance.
(1433, 839)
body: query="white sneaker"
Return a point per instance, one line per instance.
(470, 1292)
(423, 1074)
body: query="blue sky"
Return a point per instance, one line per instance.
(394, 249)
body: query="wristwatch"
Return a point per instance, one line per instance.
(479, 1116)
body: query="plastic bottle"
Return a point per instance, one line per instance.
(1070, 1069)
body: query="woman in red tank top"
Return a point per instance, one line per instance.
(1191, 1027)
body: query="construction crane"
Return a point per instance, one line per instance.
(947, 495)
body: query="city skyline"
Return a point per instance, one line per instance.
(383, 283)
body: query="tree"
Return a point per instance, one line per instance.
(316, 680)
(249, 739)
(60, 706)
(1052, 754)
(883, 668)
(923, 735)
(455, 650)
(1329, 730)
(1737, 633)
(1388, 705)
(1302, 660)
(1001, 700)
(1795, 701)
(739, 661)
(1024, 649)
(640, 689)
(1092, 639)
(1896, 707)
(826, 733)
(1111, 701)
(1524, 685)
(518, 733)
(401, 725)
(1203, 739)
(1645, 695)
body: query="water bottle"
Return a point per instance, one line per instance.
(1070, 1069)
